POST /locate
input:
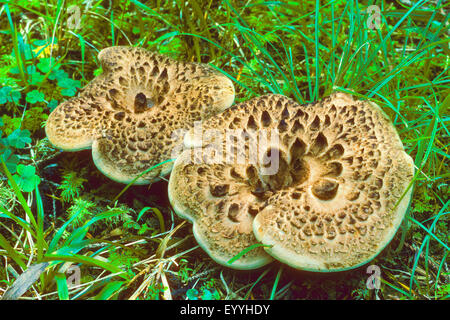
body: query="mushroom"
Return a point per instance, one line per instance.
(326, 191)
(221, 207)
(130, 114)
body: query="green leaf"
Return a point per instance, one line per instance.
(79, 233)
(98, 71)
(10, 159)
(8, 95)
(25, 48)
(12, 253)
(244, 251)
(21, 222)
(26, 178)
(109, 290)
(31, 69)
(21, 199)
(58, 74)
(69, 86)
(14, 97)
(14, 70)
(69, 92)
(192, 294)
(3, 144)
(45, 64)
(73, 248)
(136, 30)
(36, 78)
(60, 232)
(52, 104)
(87, 261)
(4, 92)
(157, 213)
(39, 43)
(19, 138)
(207, 295)
(35, 96)
(61, 283)
(69, 83)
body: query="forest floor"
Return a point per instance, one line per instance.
(64, 212)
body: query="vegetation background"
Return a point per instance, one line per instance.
(79, 235)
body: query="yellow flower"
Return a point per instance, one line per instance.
(46, 51)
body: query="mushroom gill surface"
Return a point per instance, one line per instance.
(323, 185)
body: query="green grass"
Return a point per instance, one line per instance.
(303, 50)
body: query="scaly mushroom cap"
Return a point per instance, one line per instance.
(219, 203)
(334, 200)
(129, 114)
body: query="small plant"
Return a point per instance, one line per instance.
(124, 259)
(35, 96)
(207, 292)
(9, 158)
(154, 291)
(184, 271)
(80, 211)
(18, 139)
(26, 178)
(204, 294)
(71, 185)
(140, 228)
(54, 249)
(444, 291)
(7, 197)
(7, 94)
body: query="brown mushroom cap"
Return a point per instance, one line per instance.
(333, 204)
(219, 210)
(128, 114)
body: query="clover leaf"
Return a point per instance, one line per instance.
(31, 69)
(14, 70)
(210, 294)
(69, 92)
(26, 178)
(8, 95)
(52, 104)
(192, 294)
(14, 97)
(58, 74)
(68, 83)
(36, 78)
(69, 86)
(4, 92)
(19, 138)
(46, 64)
(10, 159)
(35, 96)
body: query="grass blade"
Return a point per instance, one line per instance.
(61, 284)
